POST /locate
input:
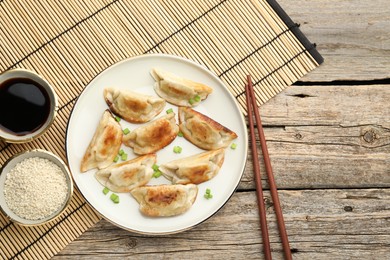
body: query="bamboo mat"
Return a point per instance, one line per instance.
(70, 42)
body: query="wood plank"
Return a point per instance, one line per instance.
(342, 106)
(322, 224)
(353, 36)
(327, 137)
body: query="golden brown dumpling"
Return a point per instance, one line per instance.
(165, 200)
(194, 169)
(177, 90)
(133, 107)
(104, 145)
(203, 131)
(125, 176)
(153, 136)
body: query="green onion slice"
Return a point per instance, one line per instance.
(169, 111)
(177, 149)
(114, 198)
(126, 131)
(157, 174)
(208, 194)
(106, 190)
(124, 157)
(155, 167)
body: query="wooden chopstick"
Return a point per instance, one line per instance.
(251, 104)
(259, 187)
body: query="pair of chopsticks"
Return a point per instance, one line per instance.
(251, 105)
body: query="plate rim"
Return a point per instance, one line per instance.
(192, 62)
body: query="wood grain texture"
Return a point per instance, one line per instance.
(327, 137)
(352, 35)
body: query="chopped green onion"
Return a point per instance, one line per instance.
(156, 174)
(169, 111)
(194, 99)
(114, 198)
(233, 146)
(177, 149)
(121, 152)
(124, 157)
(208, 194)
(180, 134)
(155, 167)
(106, 190)
(126, 131)
(117, 118)
(116, 158)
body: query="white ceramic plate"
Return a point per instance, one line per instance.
(134, 74)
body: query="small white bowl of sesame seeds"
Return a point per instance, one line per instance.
(35, 187)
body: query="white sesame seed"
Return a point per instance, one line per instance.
(35, 188)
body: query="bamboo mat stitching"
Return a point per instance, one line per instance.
(278, 68)
(61, 34)
(63, 219)
(185, 26)
(47, 231)
(101, 9)
(258, 49)
(5, 227)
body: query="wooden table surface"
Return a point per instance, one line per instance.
(329, 140)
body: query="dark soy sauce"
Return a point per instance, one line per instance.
(24, 106)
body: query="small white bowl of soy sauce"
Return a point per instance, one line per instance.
(28, 105)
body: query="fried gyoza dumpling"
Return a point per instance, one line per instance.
(165, 200)
(133, 107)
(203, 131)
(153, 136)
(194, 169)
(104, 145)
(125, 176)
(177, 90)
